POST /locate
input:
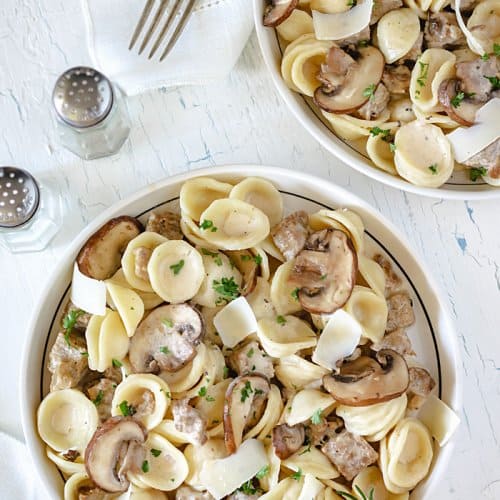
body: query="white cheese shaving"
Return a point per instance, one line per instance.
(338, 340)
(473, 42)
(222, 476)
(312, 488)
(235, 322)
(468, 141)
(439, 418)
(87, 293)
(342, 24)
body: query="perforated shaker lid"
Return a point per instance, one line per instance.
(82, 97)
(19, 197)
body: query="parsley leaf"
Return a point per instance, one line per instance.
(316, 417)
(496, 49)
(116, 363)
(370, 91)
(250, 352)
(217, 258)
(167, 322)
(295, 294)
(352, 3)
(495, 81)
(98, 399)
(392, 147)
(345, 495)
(457, 100)
(422, 77)
(258, 259)
(263, 472)
(164, 349)
(377, 130)
(363, 43)
(210, 399)
(226, 287)
(248, 488)
(225, 372)
(155, 452)
(485, 56)
(475, 173)
(281, 320)
(297, 475)
(126, 409)
(69, 322)
(363, 495)
(145, 466)
(307, 450)
(433, 168)
(202, 392)
(246, 391)
(176, 268)
(208, 224)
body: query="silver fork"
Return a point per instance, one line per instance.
(176, 14)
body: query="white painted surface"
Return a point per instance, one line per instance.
(240, 120)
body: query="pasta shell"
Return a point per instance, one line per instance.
(371, 479)
(113, 341)
(261, 194)
(129, 305)
(92, 333)
(295, 372)
(67, 420)
(311, 461)
(66, 466)
(260, 300)
(74, 484)
(197, 194)
(270, 417)
(286, 489)
(212, 404)
(196, 456)
(352, 128)
(282, 291)
(380, 154)
(307, 402)
(298, 23)
(176, 271)
(373, 274)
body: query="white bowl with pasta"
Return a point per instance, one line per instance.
(345, 135)
(432, 337)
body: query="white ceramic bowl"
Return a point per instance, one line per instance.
(433, 335)
(459, 187)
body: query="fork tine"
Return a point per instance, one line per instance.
(154, 24)
(178, 29)
(144, 16)
(161, 36)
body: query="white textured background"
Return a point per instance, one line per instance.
(240, 120)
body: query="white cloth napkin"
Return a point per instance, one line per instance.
(18, 480)
(205, 52)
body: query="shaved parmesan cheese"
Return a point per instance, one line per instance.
(468, 141)
(87, 293)
(338, 340)
(439, 418)
(235, 321)
(305, 403)
(312, 487)
(222, 476)
(342, 24)
(473, 43)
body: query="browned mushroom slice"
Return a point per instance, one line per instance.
(325, 271)
(287, 439)
(377, 103)
(166, 339)
(243, 405)
(358, 86)
(101, 255)
(339, 64)
(250, 359)
(167, 224)
(246, 263)
(367, 381)
(115, 449)
(349, 453)
(277, 11)
(456, 103)
(291, 233)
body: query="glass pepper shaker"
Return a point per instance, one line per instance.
(92, 119)
(30, 211)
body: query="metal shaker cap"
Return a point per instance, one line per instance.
(19, 197)
(82, 97)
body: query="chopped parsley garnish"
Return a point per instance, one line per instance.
(210, 399)
(145, 466)
(295, 293)
(98, 399)
(457, 100)
(263, 472)
(250, 352)
(167, 322)
(167, 393)
(424, 70)
(126, 409)
(377, 130)
(281, 320)
(208, 224)
(316, 417)
(248, 488)
(164, 349)
(495, 81)
(246, 258)
(246, 391)
(485, 56)
(258, 391)
(363, 43)
(176, 268)
(297, 475)
(476, 173)
(84, 354)
(217, 258)
(256, 258)
(116, 363)
(155, 452)
(392, 147)
(215, 421)
(433, 168)
(69, 322)
(202, 392)
(225, 372)
(227, 288)
(323, 277)
(496, 49)
(352, 3)
(370, 91)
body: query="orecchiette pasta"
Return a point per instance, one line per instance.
(249, 374)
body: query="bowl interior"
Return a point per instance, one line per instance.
(432, 334)
(459, 186)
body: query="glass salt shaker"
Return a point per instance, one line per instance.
(92, 119)
(30, 211)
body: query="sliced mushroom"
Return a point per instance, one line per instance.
(338, 66)
(320, 433)
(287, 439)
(243, 406)
(462, 110)
(357, 87)
(291, 233)
(250, 359)
(166, 339)
(244, 261)
(115, 449)
(166, 223)
(101, 255)
(325, 271)
(190, 421)
(277, 11)
(367, 381)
